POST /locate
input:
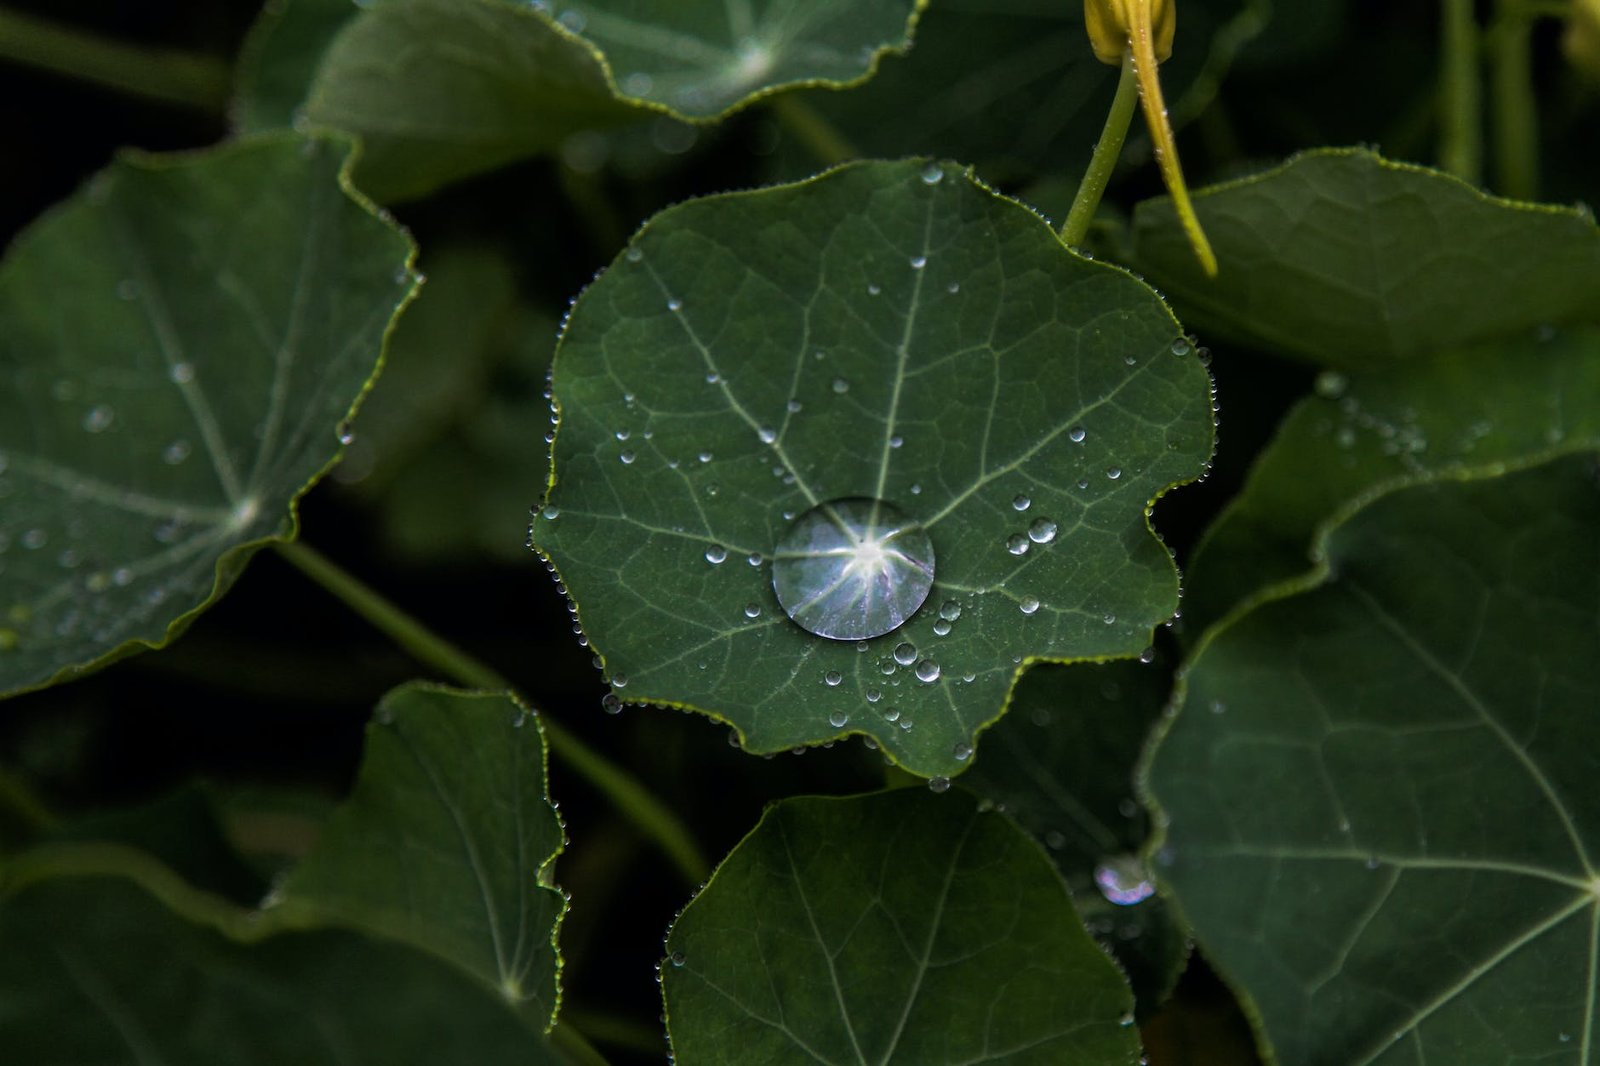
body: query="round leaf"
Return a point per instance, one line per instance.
(179, 345)
(1381, 789)
(864, 930)
(893, 332)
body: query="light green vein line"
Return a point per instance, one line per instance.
(822, 944)
(668, 44)
(1471, 699)
(903, 349)
(1522, 940)
(1589, 1004)
(83, 486)
(1358, 929)
(116, 1012)
(1407, 862)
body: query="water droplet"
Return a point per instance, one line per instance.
(852, 569)
(99, 418)
(927, 670)
(1076, 434)
(175, 453)
(1029, 606)
(838, 719)
(678, 958)
(619, 680)
(873, 290)
(962, 751)
(1124, 880)
(635, 254)
(716, 554)
(627, 458)
(34, 539)
(611, 703)
(573, 20)
(550, 513)
(767, 434)
(891, 714)
(752, 610)
(896, 441)
(953, 288)
(1021, 502)
(918, 262)
(841, 386)
(1017, 544)
(1129, 360)
(754, 559)
(1181, 346)
(950, 610)
(1113, 472)
(941, 628)
(1110, 619)
(874, 695)
(832, 678)
(905, 653)
(623, 434)
(1218, 707)
(939, 784)
(1042, 531)
(932, 174)
(1147, 656)
(794, 407)
(1331, 384)
(705, 457)
(674, 304)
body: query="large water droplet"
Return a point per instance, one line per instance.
(905, 654)
(1124, 880)
(927, 670)
(1042, 531)
(852, 569)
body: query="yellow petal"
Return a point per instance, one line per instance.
(1111, 26)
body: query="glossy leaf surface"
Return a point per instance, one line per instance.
(179, 346)
(1474, 412)
(1350, 261)
(1381, 788)
(863, 930)
(447, 843)
(888, 331)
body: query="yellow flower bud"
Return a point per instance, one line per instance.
(1142, 30)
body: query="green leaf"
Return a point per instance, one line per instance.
(1469, 413)
(1061, 762)
(94, 970)
(865, 930)
(893, 331)
(280, 58)
(1381, 788)
(1351, 261)
(443, 89)
(447, 843)
(178, 345)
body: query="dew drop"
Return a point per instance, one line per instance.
(962, 751)
(704, 457)
(905, 653)
(874, 290)
(175, 453)
(832, 678)
(852, 569)
(1110, 619)
(841, 386)
(932, 174)
(767, 434)
(181, 373)
(626, 458)
(939, 784)
(635, 254)
(896, 441)
(752, 610)
(1017, 544)
(1181, 346)
(99, 418)
(716, 554)
(674, 304)
(838, 719)
(794, 407)
(1042, 531)
(1021, 502)
(941, 628)
(1124, 880)
(1113, 472)
(953, 288)
(1029, 606)
(678, 958)
(950, 610)
(918, 262)
(550, 514)
(1076, 434)
(874, 695)
(891, 714)
(927, 670)
(611, 703)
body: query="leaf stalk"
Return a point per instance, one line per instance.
(1460, 94)
(1107, 150)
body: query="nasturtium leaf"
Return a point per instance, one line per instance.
(446, 843)
(280, 57)
(443, 89)
(1350, 261)
(888, 331)
(1467, 413)
(95, 970)
(864, 929)
(1381, 788)
(179, 345)
(1061, 763)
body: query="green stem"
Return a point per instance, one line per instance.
(614, 1030)
(819, 135)
(631, 798)
(1516, 113)
(18, 800)
(1460, 95)
(195, 81)
(1104, 160)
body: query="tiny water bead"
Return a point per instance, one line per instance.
(1029, 606)
(1042, 531)
(1124, 881)
(1017, 544)
(832, 678)
(752, 610)
(1020, 502)
(927, 670)
(1076, 434)
(852, 569)
(932, 174)
(716, 554)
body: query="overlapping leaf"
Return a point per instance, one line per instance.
(1475, 412)
(446, 843)
(95, 970)
(442, 89)
(892, 331)
(1381, 787)
(1351, 261)
(179, 345)
(866, 930)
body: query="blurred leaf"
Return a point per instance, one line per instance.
(1381, 784)
(1061, 762)
(447, 842)
(890, 332)
(96, 971)
(867, 930)
(180, 344)
(280, 57)
(1350, 261)
(443, 89)
(1500, 405)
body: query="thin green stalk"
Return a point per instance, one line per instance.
(1106, 153)
(1460, 94)
(1516, 113)
(18, 801)
(199, 82)
(632, 799)
(615, 1030)
(819, 135)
